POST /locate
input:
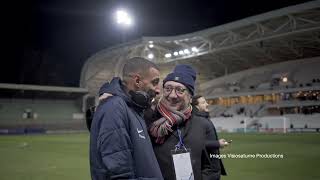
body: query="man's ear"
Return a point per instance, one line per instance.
(137, 80)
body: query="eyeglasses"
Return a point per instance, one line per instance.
(179, 90)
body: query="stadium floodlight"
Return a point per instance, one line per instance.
(151, 45)
(284, 79)
(186, 51)
(122, 17)
(150, 56)
(181, 52)
(194, 49)
(175, 53)
(168, 55)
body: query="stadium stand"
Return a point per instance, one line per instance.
(252, 71)
(39, 109)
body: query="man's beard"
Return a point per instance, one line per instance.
(152, 94)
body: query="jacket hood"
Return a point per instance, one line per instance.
(116, 88)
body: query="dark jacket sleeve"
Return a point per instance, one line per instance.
(114, 142)
(212, 144)
(212, 139)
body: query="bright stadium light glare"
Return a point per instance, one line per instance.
(168, 55)
(175, 53)
(186, 51)
(181, 52)
(151, 45)
(194, 49)
(285, 79)
(150, 56)
(122, 17)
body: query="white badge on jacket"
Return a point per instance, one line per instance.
(182, 165)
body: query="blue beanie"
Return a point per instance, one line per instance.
(183, 74)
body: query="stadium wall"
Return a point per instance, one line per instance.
(38, 115)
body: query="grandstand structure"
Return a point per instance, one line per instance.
(259, 73)
(28, 109)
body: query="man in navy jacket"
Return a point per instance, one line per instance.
(120, 147)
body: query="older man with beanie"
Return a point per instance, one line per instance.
(172, 124)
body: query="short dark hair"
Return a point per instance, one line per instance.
(137, 65)
(195, 99)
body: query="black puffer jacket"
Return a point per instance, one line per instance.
(194, 133)
(212, 146)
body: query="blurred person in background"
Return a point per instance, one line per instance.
(200, 109)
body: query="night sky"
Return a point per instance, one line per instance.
(46, 42)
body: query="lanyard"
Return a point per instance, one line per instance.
(180, 144)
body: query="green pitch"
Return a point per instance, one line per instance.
(301, 156)
(44, 157)
(65, 157)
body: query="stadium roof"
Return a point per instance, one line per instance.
(36, 91)
(286, 34)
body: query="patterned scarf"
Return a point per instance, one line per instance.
(170, 117)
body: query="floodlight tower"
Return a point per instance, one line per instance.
(124, 20)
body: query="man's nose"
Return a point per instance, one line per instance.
(157, 90)
(173, 94)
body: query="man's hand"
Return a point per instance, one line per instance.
(104, 96)
(223, 143)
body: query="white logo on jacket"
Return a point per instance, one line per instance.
(140, 135)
